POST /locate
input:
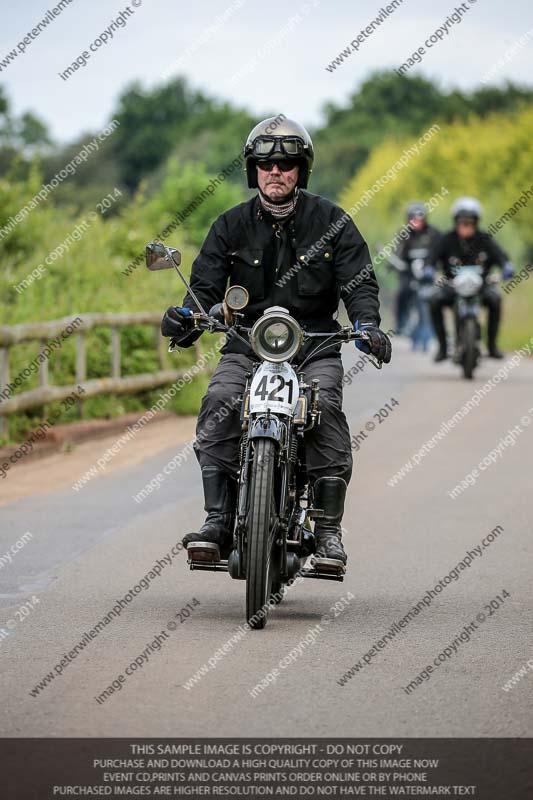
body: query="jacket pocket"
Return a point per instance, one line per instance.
(315, 272)
(246, 269)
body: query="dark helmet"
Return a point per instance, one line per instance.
(467, 207)
(279, 138)
(416, 209)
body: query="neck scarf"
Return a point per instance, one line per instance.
(280, 210)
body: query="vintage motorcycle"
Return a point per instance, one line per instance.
(272, 535)
(467, 283)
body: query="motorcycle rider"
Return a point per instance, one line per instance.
(294, 249)
(410, 257)
(464, 245)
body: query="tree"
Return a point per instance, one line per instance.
(20, 138)
(32, 132)
(151, 124)
(385, 105)
(392, 106)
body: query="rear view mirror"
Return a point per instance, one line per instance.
(156, 256)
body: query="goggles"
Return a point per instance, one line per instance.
(290, 146)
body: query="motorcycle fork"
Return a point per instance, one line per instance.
(239, 530)
(295, 514)
(284, 495)
(462, 312)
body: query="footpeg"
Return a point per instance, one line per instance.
(328, 564)
(203, 551)
(315, 513)
(328, 569)
(209, 566)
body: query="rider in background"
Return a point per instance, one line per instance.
(409, 260)
(466, 245)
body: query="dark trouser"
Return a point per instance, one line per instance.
(328, 450)
(404, 301)
(422, 331)
(445, 296)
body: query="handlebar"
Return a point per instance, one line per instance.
(204, 322)
(345, 334)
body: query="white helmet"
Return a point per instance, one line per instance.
(467, 207)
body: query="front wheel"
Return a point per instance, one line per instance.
(470, 351)
(262, 525)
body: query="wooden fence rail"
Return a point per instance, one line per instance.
(45, 332)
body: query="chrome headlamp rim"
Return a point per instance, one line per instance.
(263, 323)
(468, 281)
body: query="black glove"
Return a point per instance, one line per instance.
(429, 273)
(379, 344)
(176, 322)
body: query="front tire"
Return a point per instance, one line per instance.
(470, 353)
(262, 525)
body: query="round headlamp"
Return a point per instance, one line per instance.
(468, 282)
(276, 336)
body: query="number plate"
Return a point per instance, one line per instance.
(274, 387)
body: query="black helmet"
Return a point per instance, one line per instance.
(279, 138)
(416, 209)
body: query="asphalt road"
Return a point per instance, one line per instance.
(89, 548)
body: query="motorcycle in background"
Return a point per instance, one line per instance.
(467, 283)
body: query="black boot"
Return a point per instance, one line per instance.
(329, 495)
(495, 352)
(220, 493)
(437, 318)
(492, 332)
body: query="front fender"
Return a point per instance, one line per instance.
(267, 428)
(467, 307)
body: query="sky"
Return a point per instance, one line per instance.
(267, 57)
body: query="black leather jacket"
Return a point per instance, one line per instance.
(417, 248)
(451, 252)
(306, 264)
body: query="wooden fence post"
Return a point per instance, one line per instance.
(81, 366)
(81, 357)
(43, 367)
(162, 346)
(115, 352)
(4, 380)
